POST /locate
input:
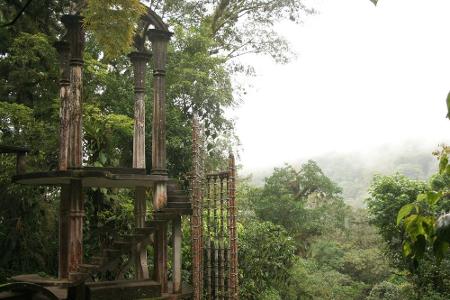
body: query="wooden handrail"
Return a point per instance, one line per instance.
(21, 154)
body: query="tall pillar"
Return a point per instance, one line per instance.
(232, 230)
(63, 49)
(139, 61)
(159, 40)
(71, 243)
(176, 260)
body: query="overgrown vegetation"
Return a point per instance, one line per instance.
(299, 239)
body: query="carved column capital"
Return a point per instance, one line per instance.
(75, 33)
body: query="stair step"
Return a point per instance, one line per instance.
(97, 260)
(164, 215)
(178, 198)
(176, 210)
(155, 223)
(74, 276)
(111, 252)
(85, 268)
(145, 230)
(175, 192)
(122, 244)
(134, 237)
(178, 205)
(124, 289)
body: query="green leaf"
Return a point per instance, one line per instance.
(448, 106)
(421, 197)
(443, 163)
(404, 211)
(407, 250)
(102, 157)
(433, 197)
(440, 248)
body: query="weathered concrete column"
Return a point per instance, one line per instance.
(63, 49)
(139, 61)
(71, 238)
(76, 39)
(160, 256)
(159, 40)
(176, 259)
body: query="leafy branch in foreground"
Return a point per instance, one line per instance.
(423, 228)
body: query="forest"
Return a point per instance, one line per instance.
(324, 228)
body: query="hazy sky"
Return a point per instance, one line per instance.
(365, 76)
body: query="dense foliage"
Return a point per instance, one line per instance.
(299, 239)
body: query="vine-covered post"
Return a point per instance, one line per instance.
(159, 40)
(139, 61)
(233, 271)
(72, 240)
(196, 218)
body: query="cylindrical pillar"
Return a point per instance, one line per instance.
(139, 61)
(233, 275)
(159, 40)
(72, 198)
(63, 49)
(75, 34)
(176, 260)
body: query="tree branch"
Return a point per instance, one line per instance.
(18, 15)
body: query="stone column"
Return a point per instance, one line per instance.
(72, 239)
(176, 259)
(63, 49)
(159, 40)
(139, 61)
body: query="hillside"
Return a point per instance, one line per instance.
(354, 171)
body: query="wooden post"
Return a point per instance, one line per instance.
(72, 206)
(177, 236)
(160, 40)
(139, 61)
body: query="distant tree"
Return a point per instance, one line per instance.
(304, 202)
(266, 254)
(387, 195)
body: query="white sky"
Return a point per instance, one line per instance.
(365, 76)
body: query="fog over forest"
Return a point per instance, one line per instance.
(354, 171)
